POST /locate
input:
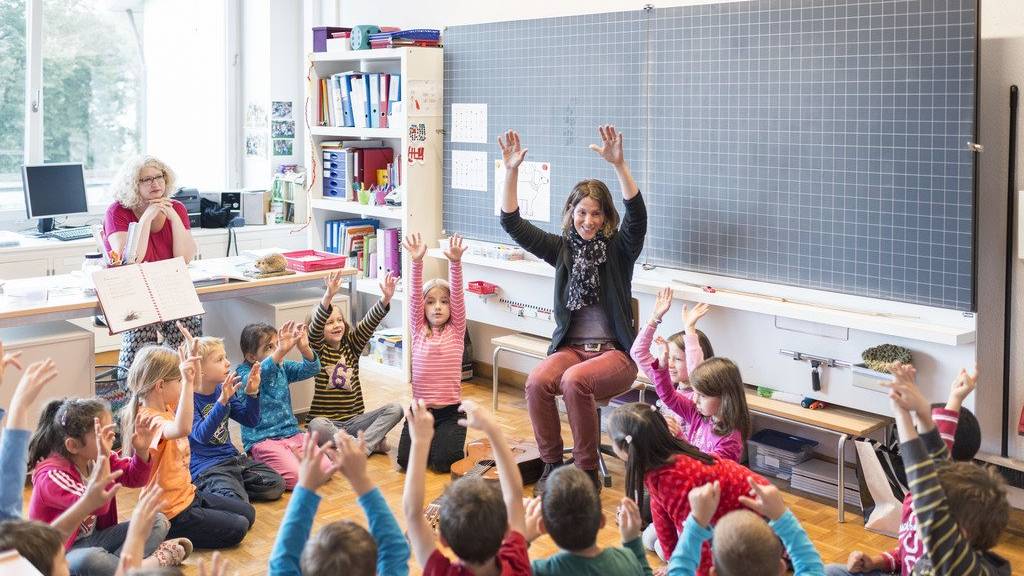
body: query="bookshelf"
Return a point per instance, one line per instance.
(421, 71)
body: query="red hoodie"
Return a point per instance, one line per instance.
(57, 485)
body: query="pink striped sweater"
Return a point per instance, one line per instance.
(437, 356)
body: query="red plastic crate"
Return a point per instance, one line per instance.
(312, 260)
(482, 288)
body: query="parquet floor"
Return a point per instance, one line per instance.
(834, 540)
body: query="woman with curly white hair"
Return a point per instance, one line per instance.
(142, 191)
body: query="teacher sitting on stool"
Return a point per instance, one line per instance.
(588, 358)
(141, 191)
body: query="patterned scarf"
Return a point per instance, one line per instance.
(584, 281)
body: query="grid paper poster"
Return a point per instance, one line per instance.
(534, 189)
(469, 170)
(469, 123)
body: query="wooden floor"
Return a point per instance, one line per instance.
(834, 540)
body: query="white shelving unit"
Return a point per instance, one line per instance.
(421, 71)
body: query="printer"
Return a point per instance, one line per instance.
(190, 198)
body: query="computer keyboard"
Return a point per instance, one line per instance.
(67, 234)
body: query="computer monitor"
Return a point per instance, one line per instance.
(54, 190)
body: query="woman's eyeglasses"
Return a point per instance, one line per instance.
(149, 181)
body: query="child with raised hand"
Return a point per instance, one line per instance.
(71, 436)
(667, 467)
(961, 508)
(276, 439)
(483, 526)
(742, 539)
(437, 323)
(571, 515)
(960, 439)
(341, 547)
(161, 383)
(216, 465)
(338, 394)
(18, 431)
(715, 415)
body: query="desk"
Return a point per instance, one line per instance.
(67, 301)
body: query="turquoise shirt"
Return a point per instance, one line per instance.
(626, 561)
(276, 417)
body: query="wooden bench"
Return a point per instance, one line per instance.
(842, 422)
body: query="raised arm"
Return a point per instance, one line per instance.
(332, 285)
(612, 152)
(457, 318)
(508, 471)
(203, 428)
(191, 371)
(513, 154)
(421, 429)
(15, 439)
(416, 248)
(541, 244)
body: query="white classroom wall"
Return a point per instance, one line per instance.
(742, 334)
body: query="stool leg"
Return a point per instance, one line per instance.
(494, 379)
(841, 457)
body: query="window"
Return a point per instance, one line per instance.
(12, 94)
(93, 86)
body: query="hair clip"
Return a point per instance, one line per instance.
(629, 438)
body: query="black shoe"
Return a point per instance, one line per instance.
(549, 467)
(595, 477)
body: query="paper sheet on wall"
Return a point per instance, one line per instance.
(469, 123)
(469, 170)
(424, 98)
(534, 189)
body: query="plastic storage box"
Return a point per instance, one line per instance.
(774, 453)
(313, 260)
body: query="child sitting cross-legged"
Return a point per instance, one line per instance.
(338, 393)
(742, 539)
(341, 547)
(216, 465)
(482, 525)
(276, 438)
(571, 515)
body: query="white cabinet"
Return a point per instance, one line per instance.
(26, 268)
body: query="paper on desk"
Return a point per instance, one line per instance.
(469, 123)
(469, 170)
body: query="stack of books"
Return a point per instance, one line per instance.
(418, 37)
(360, 99)
(375, 251)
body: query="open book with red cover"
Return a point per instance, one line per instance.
(138, 295)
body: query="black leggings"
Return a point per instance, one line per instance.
(213, 521)
(448, 445)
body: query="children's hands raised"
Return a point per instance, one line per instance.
(512, 151)
(189, 339)
(630, 524)
(663, 302)
(146, 428)
(904, 391)
(301, 336)
(188, 361)
(665, 352)
(455, 248)
(964, 384)
(311, 472)
(332, 283)
(415, 247)
(38, 375)
(690, 317)
(218, 566)
(387, 288)
(285, 339)
(673, 426)
(767, 500)
(230, 386)
(97, 492)
(421, 422)
(704, 502)
(252, 383)
(351, 461)
(8, 360)
(477, 417)
(611, 145)
(534, 519)
(104, 437)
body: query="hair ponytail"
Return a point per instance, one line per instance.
(641, 431)
(151, 365)
(60, 420)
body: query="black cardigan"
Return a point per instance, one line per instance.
(616, 273)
